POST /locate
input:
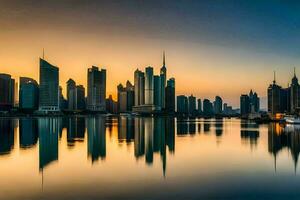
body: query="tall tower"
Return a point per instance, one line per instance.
(163, 78)
(294, 93)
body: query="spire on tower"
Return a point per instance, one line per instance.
(274, 81)
(164, 59)
(294, 71)
(43, 53)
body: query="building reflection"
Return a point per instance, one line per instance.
(219, 127)
(249, 133)
(49, 130)
(186, 127)
(28, 129)
(280, 138)
(154, 135)
(6, 135)
(206, 126)
(75, 130)
(125, 129)
(96, 138)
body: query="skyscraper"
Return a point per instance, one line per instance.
(244, 105)
(80, 97)
(125, 97)
(295, 94)
(96, 89)
(6, 92)
(182, 104)
(71, 95)
(199, 106)
(254, 102)
(170, 96)
(207, 108)
(192, 105)
(28, 94)
(49, 87)
(157, 91)
(149, 86)
(218, 104)
(163, 78)
(139, 88)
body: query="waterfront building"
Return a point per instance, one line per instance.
(295, 94)
(96, 91)
(71, 95)
(28, 94)
(49, 87)
(80, 97)
(163, 79)
(111, 105)
(139, 88)
(218, 104)
(192, 105)
(170, 96)
(149, 86)
(207, 108)
(244, 105)
(182, 104)
(199, 106)
(6, 92)
(125, 97)
(158, 91)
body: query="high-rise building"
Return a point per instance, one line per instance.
(199, 106)
(192, 105)
(111, 105)
(244, 105)
(182, 104)
(7, 87)
(218, 104)
(96, 89)
(28, 94)
(71, 95)
(80, 97)
(295, 94)
(125, 97)
(149, 86)
(139, 88)
(254, 102)
(49, 87)
(63, 103)
(207, 108)
(163, 79)
(170, 96)
(158, 91)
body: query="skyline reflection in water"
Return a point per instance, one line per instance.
(46, 157)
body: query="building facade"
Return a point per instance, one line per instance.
(28, 94)
(96, 91)
(49, 87)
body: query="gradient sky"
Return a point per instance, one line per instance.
(212, 47)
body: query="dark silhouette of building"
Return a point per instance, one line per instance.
(199, 106)
(28, 94)
(6, 135)
(111, 105)
(96, 91)
(182, 104)
(192, 105)
(249, 103)
(71, 95)
(7, 91)
(207, 108)
(244, 105)
(49, 87)
(218, 104)
(170, 96)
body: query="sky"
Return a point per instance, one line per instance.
(221, 47)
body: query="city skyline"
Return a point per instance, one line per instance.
(244, 52)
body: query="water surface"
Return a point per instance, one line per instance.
(147, 158)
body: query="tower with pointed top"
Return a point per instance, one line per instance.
(163, 78)
(294, 93)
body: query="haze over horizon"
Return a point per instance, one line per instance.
(220, 48)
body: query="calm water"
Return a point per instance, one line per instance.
(147, 158)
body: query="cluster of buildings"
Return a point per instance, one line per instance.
(249, 105)
(283, 100)
(191, 106)
(149, 94)
(47, 96)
